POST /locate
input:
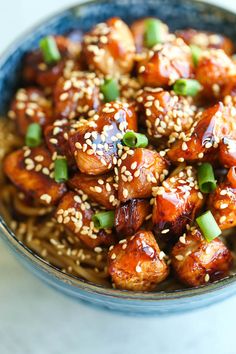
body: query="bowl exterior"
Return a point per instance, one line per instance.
(178, 14)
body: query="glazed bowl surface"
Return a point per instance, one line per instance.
(177, 14)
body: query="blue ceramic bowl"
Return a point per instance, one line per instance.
(178, 14)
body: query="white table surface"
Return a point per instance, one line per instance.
(37, 320)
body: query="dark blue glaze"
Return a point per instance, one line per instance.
(177, 14)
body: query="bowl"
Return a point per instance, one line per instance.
(178, 14)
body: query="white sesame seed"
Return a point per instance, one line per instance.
(179, 257)
(46, 197)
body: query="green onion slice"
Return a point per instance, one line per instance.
(208, 226)
(206, 178)
(136, 140)
(49, 49)
(60, 170)
(110, 90)
(104, 219)
(153, 32)
(33, 136)
(187, 87)
(196, 53)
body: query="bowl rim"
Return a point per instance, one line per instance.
(71, 279)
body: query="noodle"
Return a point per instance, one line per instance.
(36, 228)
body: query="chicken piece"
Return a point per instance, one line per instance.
(206, 40)
(222, 202)
(32, 171)
(196, 261)
(229, 92)
(214, 70)
(138, 29)
(165, 64)
(35, 70)
(201, 142)
(165, 113)
(109, 48)
(177, 202)
(130, 216)
(227, 152)
(100, 189)
(76, 215)
(56, 138)
(139, 171)
(77, 95)
(136, 263)
(30, 106)
(95, 142)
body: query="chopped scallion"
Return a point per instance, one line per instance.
(49, 49)
(60, 170)
(153, 32)
(208, 226)
(187, 87)
(110, 90)
(33, 136)
(104, 219)
(206, 178)
(133, 139)
(196, 53)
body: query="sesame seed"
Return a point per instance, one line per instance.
(138, 269)
(113, 256)
(179, 257)
(224, 206)
(207, 278)
(98, 189)
(162, 255)
(222, 219)
(165, 231)
(125, 193)
(46, 197)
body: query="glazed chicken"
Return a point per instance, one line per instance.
(128, 134)
(37, 71)
(136, 263)
(196, 261)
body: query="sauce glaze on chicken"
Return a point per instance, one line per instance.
(152, 191)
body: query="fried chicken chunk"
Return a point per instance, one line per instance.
(109, 48)
(227, 152)
(56, 139)
(137, 263)
(177, 202)
(30, 106)
(35, 70)
(165, 64)
(100, 189)
(196, 261)
(31, 170)
(130, 216)
(139, 171)
(77, 95)
(76, 215)
(201, 142)
(206, 40)
(165, 113)
(222, 202)
(95, 142)
(214, 70)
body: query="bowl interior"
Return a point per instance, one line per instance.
(177, 14)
